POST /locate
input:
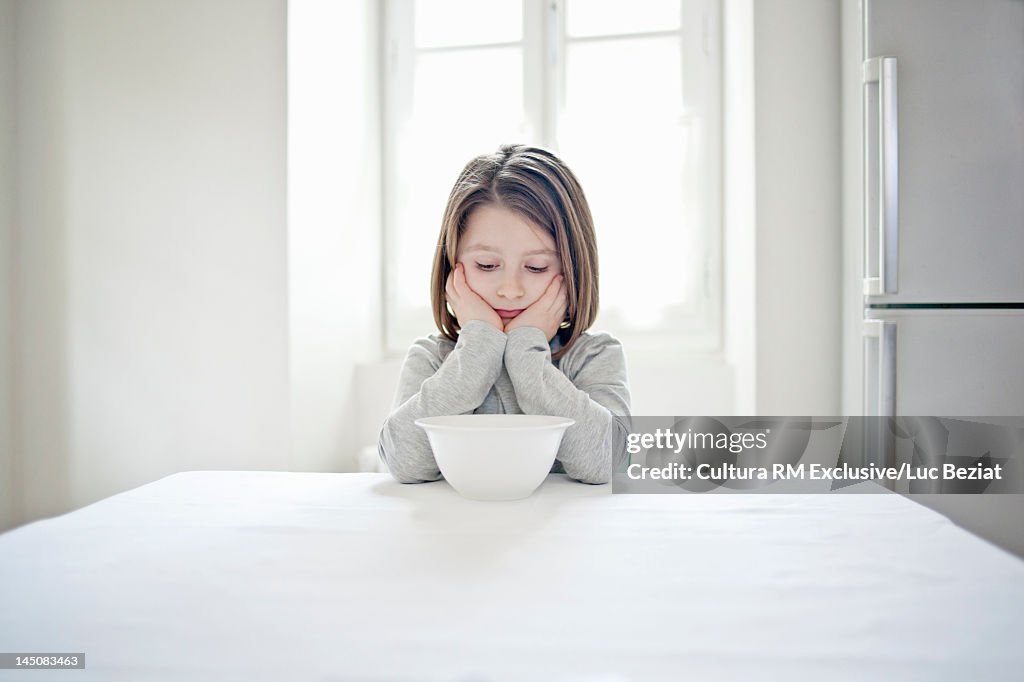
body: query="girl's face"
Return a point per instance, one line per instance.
(509, 261)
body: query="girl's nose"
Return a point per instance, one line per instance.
(511, 286)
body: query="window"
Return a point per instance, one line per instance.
(628, 93)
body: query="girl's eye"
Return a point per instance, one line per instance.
(537, 270)
(486, 267)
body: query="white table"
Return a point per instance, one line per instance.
(302, 576)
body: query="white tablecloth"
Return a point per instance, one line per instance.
(302, 576)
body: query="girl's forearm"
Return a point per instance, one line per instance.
(594, 444)
(457, 386)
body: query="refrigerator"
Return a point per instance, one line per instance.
(941, 128)
(943, 213)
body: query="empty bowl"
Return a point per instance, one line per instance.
(495, 456)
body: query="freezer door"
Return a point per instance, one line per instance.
(967, 363)
(943, 150)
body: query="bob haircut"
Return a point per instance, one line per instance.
(534, 183)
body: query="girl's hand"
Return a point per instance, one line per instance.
(465, 303)
(546, 313)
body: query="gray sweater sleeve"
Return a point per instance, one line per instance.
(430, 387)
(591, 388)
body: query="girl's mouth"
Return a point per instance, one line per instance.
(508, 314)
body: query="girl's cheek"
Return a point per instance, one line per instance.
(473, 278)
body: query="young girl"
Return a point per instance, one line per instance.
(514, 290)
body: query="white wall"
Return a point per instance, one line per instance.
(782, 205)
(739, 184)
(334, 226)
(7, 208)
(852, 209)
(151, 318)
(797, 206)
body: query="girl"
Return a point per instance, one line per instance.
(514, 290)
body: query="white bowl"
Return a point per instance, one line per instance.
(495, 456)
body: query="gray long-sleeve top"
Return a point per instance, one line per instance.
(490, 372)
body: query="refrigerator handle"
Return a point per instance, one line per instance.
(881, 277)
(879, 390)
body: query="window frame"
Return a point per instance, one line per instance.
(544, 45)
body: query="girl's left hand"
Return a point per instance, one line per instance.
(546, 313)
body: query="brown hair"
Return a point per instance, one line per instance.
(536, 184)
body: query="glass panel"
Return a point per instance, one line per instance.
(651, 261)
(480, 88)
(465, 103)
(444, 23)
(609, 17)
(644, 74)
(646, 212)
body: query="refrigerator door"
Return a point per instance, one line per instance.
(953, 363)
(936, 362)
(944, 151)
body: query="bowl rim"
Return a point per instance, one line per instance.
(425, 422)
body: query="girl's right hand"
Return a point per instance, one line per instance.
(465, 303)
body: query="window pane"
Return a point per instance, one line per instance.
(641, 143)
(644, 74)
(608, 17)
(482, 89)
(651, 259)
(645, 205)
(450, 123)
(443, 23)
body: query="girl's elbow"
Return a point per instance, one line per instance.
(591, 477)
(405, 469)
(406, 479)
(403, 475)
